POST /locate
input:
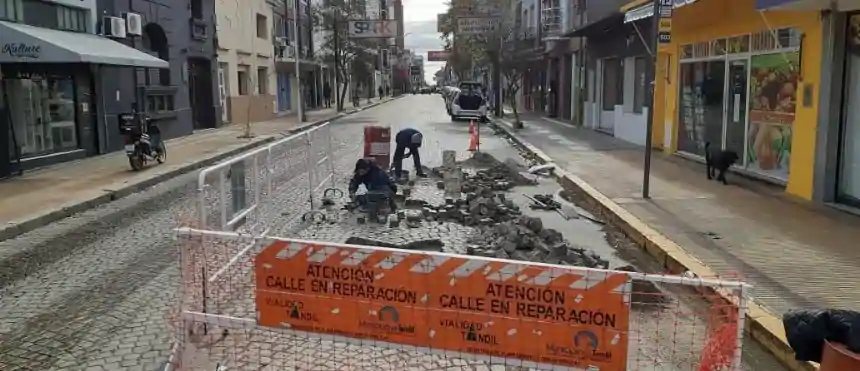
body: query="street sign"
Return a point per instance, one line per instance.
(664, 25)
(372, 29)
(476, 26)
(477, 8)
(438, 56)
(441, 21)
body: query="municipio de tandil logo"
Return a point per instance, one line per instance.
(388, 320)
(22, 50)
(584, 347)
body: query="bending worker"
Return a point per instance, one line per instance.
(407, 139)
(374, 179)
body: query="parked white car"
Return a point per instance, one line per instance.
(468, 106)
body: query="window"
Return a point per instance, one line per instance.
(11, 10)
(242, 76)
(640, 88)
(262, 81)
(71, 19)
(613, 83)
(197, 9)
(37, 13)
(43, 113)
(159, 103)
(262, 27)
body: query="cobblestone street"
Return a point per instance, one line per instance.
(100, 290)
(96, 290)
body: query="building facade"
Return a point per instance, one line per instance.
(743, 80)
(247, 79)
(180, 98)
(59, 100)
(615, 71)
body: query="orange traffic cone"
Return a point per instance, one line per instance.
(471, 127)
(473, 141)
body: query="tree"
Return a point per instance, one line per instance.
(351, 58)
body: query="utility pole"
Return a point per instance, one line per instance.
(652, 83)
(335, 16)
(296, 47)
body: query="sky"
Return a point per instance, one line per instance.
(419, 18)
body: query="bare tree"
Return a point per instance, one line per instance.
(351, 58)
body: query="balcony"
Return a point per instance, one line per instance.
(552, 23)
(525, 40)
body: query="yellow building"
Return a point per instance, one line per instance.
(741, 79)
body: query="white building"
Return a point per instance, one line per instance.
(246, 68)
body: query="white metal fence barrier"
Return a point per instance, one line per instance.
(256, 191)
(308, 305)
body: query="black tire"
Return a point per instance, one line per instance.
(136, 161)
(162, 155)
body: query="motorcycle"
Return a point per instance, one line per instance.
(143, 141)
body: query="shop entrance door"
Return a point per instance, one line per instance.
(737, 88)
(849, 158)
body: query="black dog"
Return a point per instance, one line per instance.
(720, 160)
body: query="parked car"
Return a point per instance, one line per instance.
(448, 95)
(468, 104)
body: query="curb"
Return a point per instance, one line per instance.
(763, 326)
(14, 229)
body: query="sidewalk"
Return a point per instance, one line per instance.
(45, 195)
(795, 254)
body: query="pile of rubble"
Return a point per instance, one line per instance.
(526, 239)
(503, 231)
(498, 177)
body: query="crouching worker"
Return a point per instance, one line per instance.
(377, 182)
(407, 139)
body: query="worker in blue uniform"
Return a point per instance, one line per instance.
(407, 140)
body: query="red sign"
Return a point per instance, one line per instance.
(438, 56)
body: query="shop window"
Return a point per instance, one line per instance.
(43, 114)
(613, 84)
(782, 38)
(262, 81)
(639, 88)
(739, 44)
(243, 78)
(262, 27)
(11, 10)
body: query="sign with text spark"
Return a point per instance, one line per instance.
(550, 315)
(372, 29)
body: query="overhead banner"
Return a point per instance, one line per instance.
(550, 315)
(438, 55)
(372, 29)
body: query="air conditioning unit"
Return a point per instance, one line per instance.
(133, 23)
(114, 27)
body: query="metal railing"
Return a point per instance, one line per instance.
(243, 194)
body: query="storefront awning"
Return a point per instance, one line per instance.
(20, 43)
(598, 26)
(647, 10)
(815, 5)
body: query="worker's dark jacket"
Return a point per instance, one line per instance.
(376, 180)
(404, 138)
